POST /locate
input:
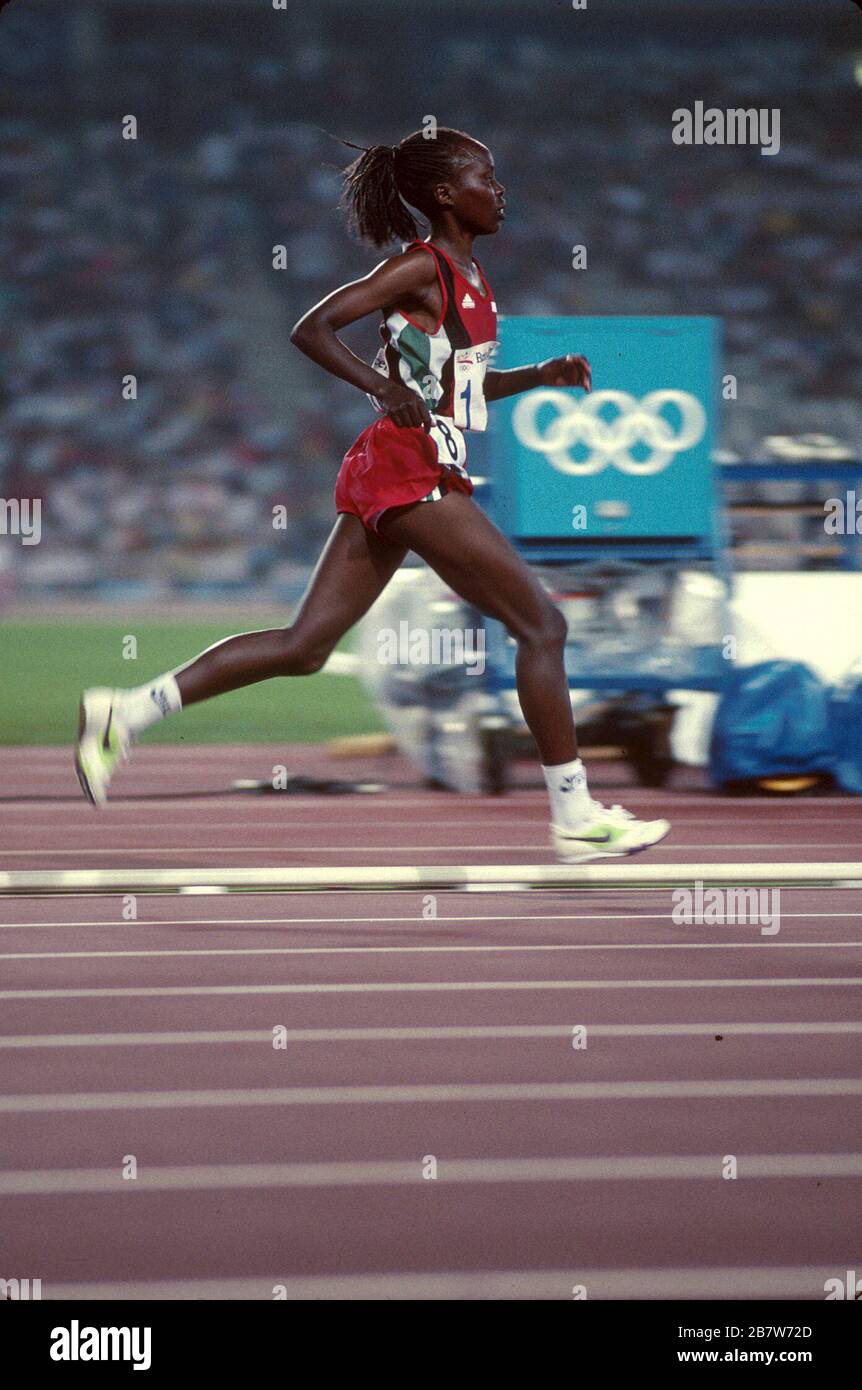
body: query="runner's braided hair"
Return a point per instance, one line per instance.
(380, 183)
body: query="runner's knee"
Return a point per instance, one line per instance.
(303, 653)
(550, 630)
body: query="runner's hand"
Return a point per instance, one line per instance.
(566, 371)
(404, 407)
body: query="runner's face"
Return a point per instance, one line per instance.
(478, 198)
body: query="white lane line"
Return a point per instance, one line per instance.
(284, 824)
(448, 1094)
(433, 986)
(771, 945)
(337, 823)
(719, 1282)
(532, 811)
(257, 1036)
(216, 1177)
(306, 848)
(394, 800)
(414, 919)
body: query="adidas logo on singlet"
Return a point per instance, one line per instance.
(468, 302)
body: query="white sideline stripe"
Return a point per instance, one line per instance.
(538, 844)
(438, 950)
(214, 1177)
(386, 877)
(446, 1094)
(421, 986)
(331, 1035)
(413, 920)
(730, 1282)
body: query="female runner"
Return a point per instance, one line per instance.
(403, 485)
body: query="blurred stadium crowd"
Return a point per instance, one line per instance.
(153, 257)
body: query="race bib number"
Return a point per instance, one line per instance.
(449, 441)
(470, 365)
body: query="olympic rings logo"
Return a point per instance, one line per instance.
(609, 441)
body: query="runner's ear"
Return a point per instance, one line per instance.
(443, 194)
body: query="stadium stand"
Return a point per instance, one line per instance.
(153, 257)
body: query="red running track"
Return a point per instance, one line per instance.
(416, 1043)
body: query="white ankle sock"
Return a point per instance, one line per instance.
(567, 788)
(147, 704)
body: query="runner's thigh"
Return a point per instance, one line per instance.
(470, 554)
(353, 570)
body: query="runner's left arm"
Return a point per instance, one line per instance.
(570, 370)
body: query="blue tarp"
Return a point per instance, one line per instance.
(773, 719)
(845, 720)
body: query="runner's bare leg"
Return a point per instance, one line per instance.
(471, 555)
(353, 570)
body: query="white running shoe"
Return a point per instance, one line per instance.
(606, 834)
(102, 740)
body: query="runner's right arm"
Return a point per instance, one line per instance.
(408, 280)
